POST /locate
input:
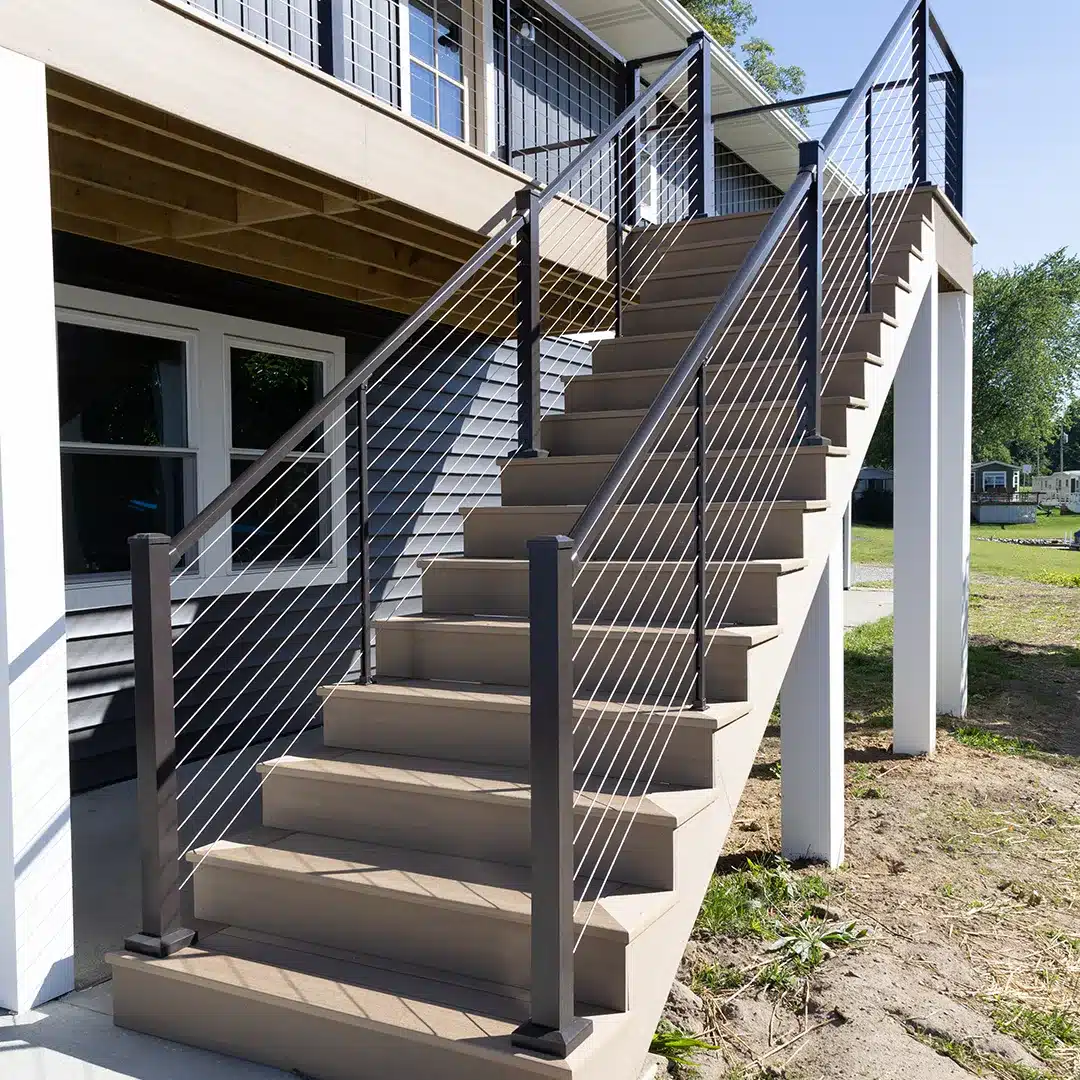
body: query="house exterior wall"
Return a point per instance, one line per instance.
(438, 432)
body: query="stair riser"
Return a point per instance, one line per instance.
(466, 941)
(775, 533)
(502, 738)
(865, 335)
(623, 595)
(688, 317)
(623, 662)
(709, 282)
(567, 480)
(468, 827)
(730, 383)
(290, 1039)
(748, 426)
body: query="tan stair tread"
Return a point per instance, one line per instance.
(662, 805)
(698, 301)
(338, 986)
(689, 410)
(775, 361)
(463, 695)
(808, 505)
(735, 451)
(689, 335)
(747, 636)
(750, 566)
(734, 267)
(497, 890)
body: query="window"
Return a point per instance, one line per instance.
(993, 480)
(284, 517)
(126, 464)
(161, 407)
(436, 75)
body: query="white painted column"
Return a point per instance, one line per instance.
(812, 727)
(847, 546)
(36, 937)
(954, 504)
(915, 540)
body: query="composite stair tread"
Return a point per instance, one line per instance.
(357, 990)
(734, 267)
(848, 400)
(807, 505)
(699, 301)
(750, 566)
(689, 335)
(830, 450)
(448, 695)
(661, 804)
(777, 361)
(747, 636)
(407, 875)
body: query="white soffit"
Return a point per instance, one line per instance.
(646, 27)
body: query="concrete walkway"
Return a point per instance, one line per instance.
(866, 606)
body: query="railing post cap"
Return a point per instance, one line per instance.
(810, 154)
(697, 36)
(540, 543)
(525, 198)
(148, 538)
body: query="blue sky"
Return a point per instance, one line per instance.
(1020, 62)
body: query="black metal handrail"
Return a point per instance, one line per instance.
(337, 396)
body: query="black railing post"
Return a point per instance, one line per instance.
(332, 37)
(552, 1028)
(508, 91)
(954, 138)
(920, 69)
(699, 75)
(155, 746)
(625, 187)
(868, 149)
(367, 674)
(812, 160)
(528, 325)
(700, 535)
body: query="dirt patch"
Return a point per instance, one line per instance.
(963, 869)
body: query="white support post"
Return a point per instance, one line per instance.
(812, 727)
(847, 546)
(36, 936)
(954, 504)
(915, 539)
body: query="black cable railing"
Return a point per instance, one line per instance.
(558, 268)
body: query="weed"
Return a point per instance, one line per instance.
(777, 976)
(678, 1047)
(863, 785)
(981, 739)
(948, 890)
(1044, 1033)
(713, 978)
(976, 1061)
(776, 770)
(758, 899)
(808, 943)
(1058, 577)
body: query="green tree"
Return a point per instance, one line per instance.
(1026, 364)
(1027, 352)
(729, 23)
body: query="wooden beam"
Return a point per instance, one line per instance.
(63, 87)
(96, 230)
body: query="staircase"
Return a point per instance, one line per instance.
(378, 922)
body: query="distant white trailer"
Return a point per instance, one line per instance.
(1061, 489)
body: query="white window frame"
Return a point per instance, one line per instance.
(209, 336)
(405, 72)
(987, 486)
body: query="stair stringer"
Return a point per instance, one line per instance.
(699, 841)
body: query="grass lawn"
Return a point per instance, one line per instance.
(874, 544)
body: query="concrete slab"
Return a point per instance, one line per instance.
(866, 606)
(74, 1039)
